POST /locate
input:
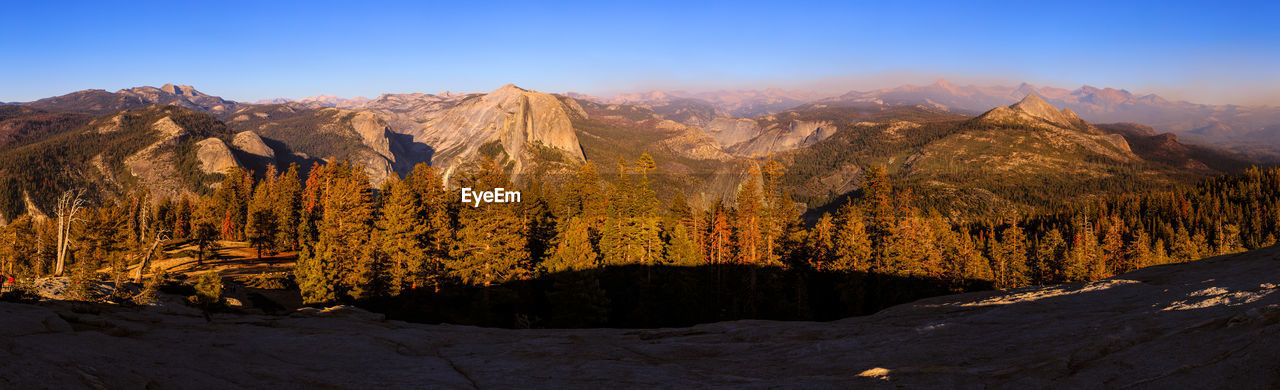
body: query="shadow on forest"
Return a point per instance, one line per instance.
(660, 296)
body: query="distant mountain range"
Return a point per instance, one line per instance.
(97, 101)
(175, 140)
(1240, 127)
(740, 103)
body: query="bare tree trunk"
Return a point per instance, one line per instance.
(144, 215)
(68, 207)
(57, 268)
(146, 258)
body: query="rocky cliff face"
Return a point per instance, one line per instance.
(360, 136)
(215, 156)
(155, 167)
(732, 131)
(510, 115)
(777, 138)
(252, 144)
(746, 137)
(1204, 324)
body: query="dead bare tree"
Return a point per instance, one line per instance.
(144, 215)
(146, 257)
(69, 205)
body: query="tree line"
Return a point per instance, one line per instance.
(356, 242)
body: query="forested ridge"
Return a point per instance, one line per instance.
(91, 157)
(603, 249)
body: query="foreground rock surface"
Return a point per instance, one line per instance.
(1208, 324)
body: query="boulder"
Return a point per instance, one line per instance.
(249, 142)
(215, 156)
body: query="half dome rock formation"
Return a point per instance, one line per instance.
(215, 156)
(249, 142)
(513, 116)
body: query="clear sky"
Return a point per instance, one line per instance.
(1212, 52)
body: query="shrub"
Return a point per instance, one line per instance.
(209, 288)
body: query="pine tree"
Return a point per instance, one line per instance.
(262, 224)
(205, 237)
(1112, 250)
(403, 232)
(852, 251)
(491, 242)
(976, 267)
(286, 206)
(821, 243)
(574, 250)
(345, 227)
(747, 222)
(438, 206)
(1009, 260)
(18, 247)
(1159, 255)
(182, 218)
(1083, 253)
(1184, 247)
(617, 238)
(648, 228)
(314, 283)
(680, 248)
(910, 248)
(1137, 253)
(719, 236)
(376, 278)
(105, 241)
(1049, 257)
(878, 200)
(1229, 240)
(780, 233)
(540, 223)
(682, 234)
(231, 200)
(583, 196)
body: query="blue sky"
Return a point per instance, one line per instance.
(1203, 52)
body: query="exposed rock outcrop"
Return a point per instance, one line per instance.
(215, 156)
(745, 137)
(155, 166)
(511, 115)
(1205, 324)
(249, 142)
(794, 135)
(373, 133)
(731, 131)
(1062, 127)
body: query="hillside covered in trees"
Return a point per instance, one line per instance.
(603, 249)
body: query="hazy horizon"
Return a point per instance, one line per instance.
(1202, 53)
